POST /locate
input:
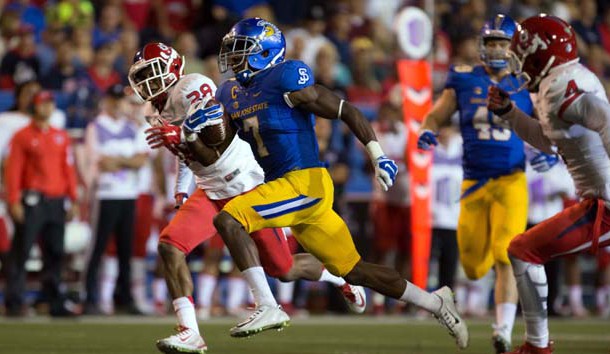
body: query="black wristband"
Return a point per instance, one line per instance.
(502, 111)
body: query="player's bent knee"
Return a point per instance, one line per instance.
(474, 271)
(282, 272)
(357, 276)
(168, 252)
(516, 247)
(501, 255)
(225, 223)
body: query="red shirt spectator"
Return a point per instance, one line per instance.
(40, 159)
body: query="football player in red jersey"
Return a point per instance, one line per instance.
(221, 172)
(574, 120)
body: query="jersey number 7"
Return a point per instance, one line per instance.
(252, 124)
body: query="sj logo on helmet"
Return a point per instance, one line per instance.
(269, 31)
(269, 28)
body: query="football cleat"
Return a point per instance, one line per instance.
(263, 318)
(355, 297)
(530, 349)
(449, 317)
(500, 343)
(186, 340)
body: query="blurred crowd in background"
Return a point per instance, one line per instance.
(80, 52)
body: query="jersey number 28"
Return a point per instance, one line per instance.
(499, 131)
(196, 95)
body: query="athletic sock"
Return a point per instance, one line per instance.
(601, 297)
(159, 291)
(575, 297)
(285, 292)
(477, 296)
(185, 310)
(110, 272)
(236, 289)
(378, 299)
(138, 282)
(505, 319)
(421, 298)
(330, 278)
(206, 283)
(255, 276)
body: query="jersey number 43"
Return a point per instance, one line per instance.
(490, 129)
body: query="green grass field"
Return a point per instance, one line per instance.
(317, 335)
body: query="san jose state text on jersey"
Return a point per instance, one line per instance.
(491, 149)
(282, 138)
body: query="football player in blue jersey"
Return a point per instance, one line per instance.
(272, 103)
(494, 191)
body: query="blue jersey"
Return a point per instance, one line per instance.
(491, 149)
(282, 138)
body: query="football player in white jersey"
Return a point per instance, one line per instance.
(222, 172)
(574, 121)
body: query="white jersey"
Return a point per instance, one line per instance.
(235, 172)
(560, 110)
(546, 192)
(446, 178)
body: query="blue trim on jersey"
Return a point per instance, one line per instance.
(277, 204)
(273, 210)
(583, 220)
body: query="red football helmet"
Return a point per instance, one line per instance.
(155, 69)
(541, 42)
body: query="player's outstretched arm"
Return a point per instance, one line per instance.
(324, 103)
(592, 112)
(438, 116)
(526, 127)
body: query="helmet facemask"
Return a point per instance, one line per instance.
(494, 57)
(247, 55)
(151, 78)
(234, 52)
(517, 65)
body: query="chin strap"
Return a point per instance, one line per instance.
(243, 76)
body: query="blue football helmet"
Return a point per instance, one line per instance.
(252, 45)
(500, 27)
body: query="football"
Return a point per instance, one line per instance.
(214, 135)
